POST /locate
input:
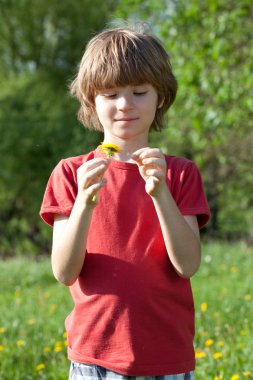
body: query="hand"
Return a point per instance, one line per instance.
(152, 167)
(90, 179)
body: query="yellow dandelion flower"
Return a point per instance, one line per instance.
(220, 343)
(65, 343)
(247, 373)
(65, 334)
(46, 349)
(109, 149)
(209, 342)
(217, 355)
(243, 332)
(247, 297)
(20, 342)
(233, 269)
(31, 322)
(199, 354)
(2, 330)
(40, 367)
(203, 307)
(58, 346)
(1, 348)
(235, 377)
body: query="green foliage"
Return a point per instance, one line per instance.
(41, 42)
(211, 122)
(34, 306)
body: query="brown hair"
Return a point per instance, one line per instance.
(119, 57)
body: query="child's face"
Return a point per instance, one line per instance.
(127, 112)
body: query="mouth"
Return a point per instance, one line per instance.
(126, 119)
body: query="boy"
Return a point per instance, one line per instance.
(126, 229)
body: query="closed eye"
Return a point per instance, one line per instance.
(140, 93)
(109, 95)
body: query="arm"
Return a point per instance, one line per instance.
(70, 234)
(181, 234)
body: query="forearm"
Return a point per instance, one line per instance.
(69, 244)
(182, 244)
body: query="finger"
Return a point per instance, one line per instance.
(94, 175)
(154, 173)
(139, 151)
(93, 189)
(147, 152)
(154, 161)
(95, 162)
(151, 185)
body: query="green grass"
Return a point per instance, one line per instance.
(34, 307)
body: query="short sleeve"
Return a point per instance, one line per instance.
(191, 199)
(60, 193)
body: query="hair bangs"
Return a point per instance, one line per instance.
(119, 63)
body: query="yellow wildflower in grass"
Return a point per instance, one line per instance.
(58, 346)
(209, 342)
(109, 149)
(233, 269)
(217, 355)
(247, 297)
(220, 343)
(17, 293)
(243, 332)
(199, 354)
(1, 348)
(31, 322)
(235, 377)
(40, 367)
(46, 349)
(203, 307)
(65, 334)
(247, 373)
(2, 330)
(20, 342)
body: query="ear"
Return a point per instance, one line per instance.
(160, 104)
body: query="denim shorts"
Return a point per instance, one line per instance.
(80, 371)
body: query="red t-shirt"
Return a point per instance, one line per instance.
(132, 313)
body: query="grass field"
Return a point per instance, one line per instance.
(34, 306)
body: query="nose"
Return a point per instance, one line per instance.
(125, 102)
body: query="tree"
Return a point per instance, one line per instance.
(41, 44)
(211, 121)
